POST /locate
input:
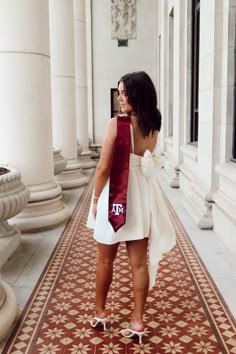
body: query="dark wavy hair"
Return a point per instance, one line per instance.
(141, 95)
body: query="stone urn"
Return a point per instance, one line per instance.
(8, 309)
(13, 198)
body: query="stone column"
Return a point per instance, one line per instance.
(179, 55)
(25, 109)
(63, 90)
(81, 83)
(163, 104)
(89, 47)
(174, 52)
(198, 176)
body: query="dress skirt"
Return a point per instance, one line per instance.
(147, 214)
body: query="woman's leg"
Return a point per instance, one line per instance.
(105, 257)
(137, 252)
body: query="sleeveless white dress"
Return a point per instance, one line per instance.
(147, 214)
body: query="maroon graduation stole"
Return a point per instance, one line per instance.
(119, 174)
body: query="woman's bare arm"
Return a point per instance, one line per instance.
(104, 165)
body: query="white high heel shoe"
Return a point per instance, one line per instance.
(132, 333)
(97, 322)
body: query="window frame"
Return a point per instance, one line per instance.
(171, 74)
(194, 121)
(114, 102)
(234, 100)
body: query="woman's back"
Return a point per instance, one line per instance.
(142, 144)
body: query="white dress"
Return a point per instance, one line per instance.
(147, 213)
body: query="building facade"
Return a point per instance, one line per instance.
(60, 62)
(196, 52)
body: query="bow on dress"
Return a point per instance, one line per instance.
(150, 162)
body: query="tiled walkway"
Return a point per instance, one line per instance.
(184, 313)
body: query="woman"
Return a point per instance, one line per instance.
(147, 220)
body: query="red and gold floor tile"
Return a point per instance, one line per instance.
(184, 311)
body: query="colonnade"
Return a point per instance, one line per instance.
(43, 106)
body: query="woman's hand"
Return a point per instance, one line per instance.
(94, 210)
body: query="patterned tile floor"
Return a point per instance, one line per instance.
(184, 312)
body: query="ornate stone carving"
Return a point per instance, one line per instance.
(123, 19)
(13, 198)
(2, 293)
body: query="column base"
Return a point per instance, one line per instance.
(197, 200)
(85, 160)
(171, 172)
(72, 176)
(224, 208)
(59, 161)
(45, 209)
(79, 149)
(96, 150)
(175, 182)
(8, 310)
(225, 226)
(9, 241)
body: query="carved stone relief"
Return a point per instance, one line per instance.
(123, 19)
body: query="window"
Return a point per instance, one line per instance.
(171, 72)
(195, 70)
(234, 127)
(114, 103)
(122, 42)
